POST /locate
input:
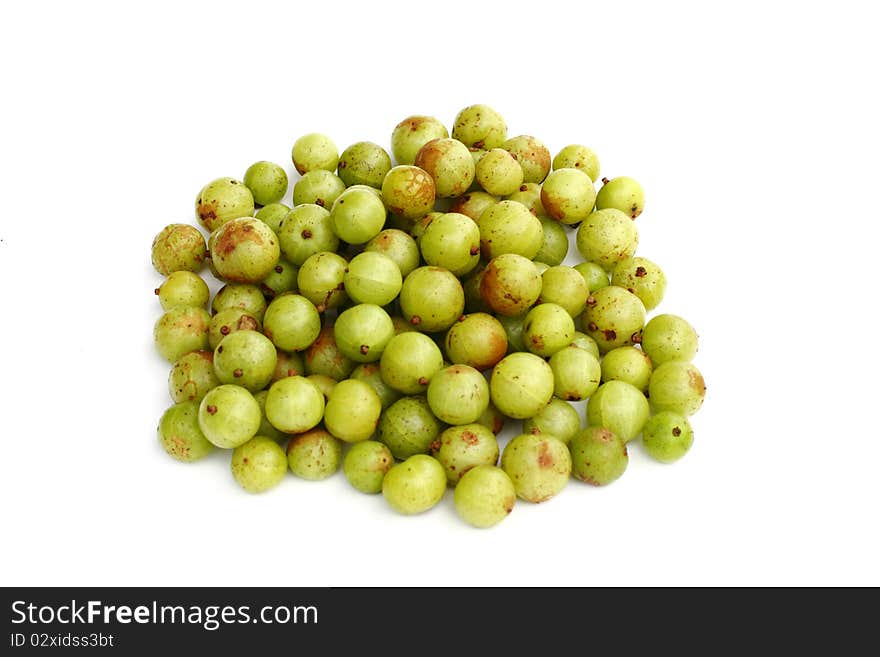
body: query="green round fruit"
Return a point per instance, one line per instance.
(409, 427)
(305, 231)
(259, 464)
(621, 193)
(498, 172)
(291, 322)
(397, 245)
(614, 317)
(180, 435)
(513, 328)
(363, 331)
(568, 195)
(484, 497)
(222, 200)
(451, 241)
(594, 275)
(352, 411)
(318, 187)
(619, 407)
(643, 278)
(320, 280)
(245, 250)
(677, 386)
(229, 416)
(294, 404)
(408, 362)
(584, 341)
(372, 278)
(509, 227)
(478, 340)
(228, 321)
(192, 376)
(324, 356)
(473, 204)
(458, 394)
(510, 284)
(245, 358)
(532, 155)
(539, 465)
(410, 136)
(669, 337)
(364, 163)
(181, 330)
(431, 298)
(357, 216)
(667, 436)
(314, 151)
(460, 448)
(521, 385)
(178, 247)
(480, 126)
(606, 237)
(289, 364)
(576, 156)
(415, 485)
(598, 456)
(547, 329)
(314, 455)
(244, 296)
(529, 194)
(183, 288)
(555, 244)
(371, 374)
(272, 215)
(267, 182)
(558, 418)
(266, 429)
(281, 279)
(450, 165)
(576, 373)
(408, 191)
(365, 465)
(564, 286)
(628, 364)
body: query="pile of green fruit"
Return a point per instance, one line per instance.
(411, 303)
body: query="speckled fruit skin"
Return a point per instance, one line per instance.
(245, 358)
(521, 385)
(510, 284)
(372, 278)
(558, 418)
(228, 321)
(365, 465)
(450, 164)
(473, 204)
(414, 486)
(576, 156)
(568, 195)
(246, 296)
(539, 466)
(498, 172)
(245, 250)
(314, 151)
(272, 214)
(397, 245)
(458, 394)
(431, 299)
(305, 231)
(478, 340)
(183, 288)
(229, 416)
(509, 227)
(294, 404)
(619, 407)
(555, 244)
(410, 135)
(181, 330)
(677, 386)
(320, 280)
(598, 456)
(364, 163)
(621, 193)
(547, 329)
(291, 322)
(667, 436)
(408, 191)
(314, 455)
(180, 435)
(192, 376)
(606, 237)
(222, 200)
(258, 465)
(643, 278)
(178, 247)
(409, 427)
(460, 448)
(628, 364)
(576, 373)
(324, 357)
(484, 497)
(409, 361)
(352, 411)
(357, 216)
(669, 337)
(363, 331)
(267, 182)
(281, 279)
(565, 286)
(318, 187)
(533, 156)
(480, 126)
(452, 241)
(614, 317)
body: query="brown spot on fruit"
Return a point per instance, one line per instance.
(610, 334)
(415, 320)
(365, 349)
(469, 437)
(545, 458)
(676, 431)
(224, 330)
(641, 272)
(211, 409)
(423, 381)
(593, 326)
(237, 373)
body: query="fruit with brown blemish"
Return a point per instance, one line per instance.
(480, 126)
(365, 464)
(314, 151)
(529, 194)
(498, 172)
(669, 337)
(450, 165)
(558, 418)
(521, 385)
(305, 231)
(533, 156)
(629, 364)
(619, 407)
(372, 278)
(409, 427)
(473, 204)
(291, 322)
(179, 432)
(244, 296)
(539, 465)
(245, 358)
(667, 436)
(352, 411)
(222, 200)
(318, 187)
(458, 394)
(229, 416)
(408, 191)
(364, 163)
(606, 237)
(320, 280)
(460, 448)
(259, 464)
(281, 279)
(178, 247)
(183, 288)
(323, 356)
(431, 298)
(267, 182)
(294, 404)
(181, 330)
(357, 216)
(289, 363)
(397, 245)
(451, 241)
(677, 386)
(568, 195)
(478, 340)
(614, 317)
(598, 456)
(409, 361)
(509, 227)
(363, 331)
(230, 320)
(484, 496)
(510, 284)
(547, 328)
(245, 250)
(192, 376)
(577, 156)
(576, 373)
(371, 374)
(643, 278)
(410, 136)
(414, 486)
(622, 193)
(314, 455)
(493, 419)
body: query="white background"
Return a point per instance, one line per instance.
(752, 126)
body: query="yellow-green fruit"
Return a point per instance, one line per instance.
(259, 464)
(485, 496)
(667, 436)
(415, 485)
(539, 465)
(229, 416)
(677, 386)
(598, 456)
(365, 465)
(222, 200)
(245, 250)
(450, 164)
(521, 385)
(411, 134)
(181, 330)
(352, 411)
(294, 404)
(408, 191)
(180, 435)
(314, 455)
(178, 247)
(619, 407)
